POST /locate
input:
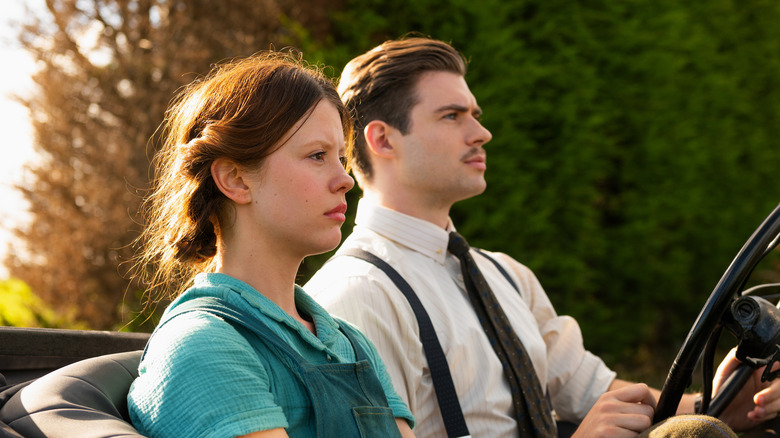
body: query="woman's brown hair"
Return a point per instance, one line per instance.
(242, 110)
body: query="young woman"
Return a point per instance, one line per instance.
(250, 181)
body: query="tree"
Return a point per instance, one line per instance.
(107, 71)
(21, 308)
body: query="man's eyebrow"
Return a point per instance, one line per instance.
(459, 108)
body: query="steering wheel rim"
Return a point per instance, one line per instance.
(728, 288)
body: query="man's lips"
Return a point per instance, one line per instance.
(338, 213)
(476, 161)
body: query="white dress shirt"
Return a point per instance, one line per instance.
(361, 293)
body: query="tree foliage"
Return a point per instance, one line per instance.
(107, 71)
(20, 307)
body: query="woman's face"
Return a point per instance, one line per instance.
(298, 195)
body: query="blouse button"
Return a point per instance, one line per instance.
(329, 358)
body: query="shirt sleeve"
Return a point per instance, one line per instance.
(200, 377)
(400, 410)
(576, 377)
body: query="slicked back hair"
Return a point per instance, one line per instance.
(381, 85)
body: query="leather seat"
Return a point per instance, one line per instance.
(87, 399)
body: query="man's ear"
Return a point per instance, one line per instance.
(229, 180)
(378, 136)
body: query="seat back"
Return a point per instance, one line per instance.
(87, 399)
(28, 353)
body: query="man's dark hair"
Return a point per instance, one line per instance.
(380, 85)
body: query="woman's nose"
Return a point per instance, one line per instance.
(342, 181)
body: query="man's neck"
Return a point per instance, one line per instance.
(427, 211)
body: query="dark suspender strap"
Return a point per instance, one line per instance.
(500, 268)
(449, 405)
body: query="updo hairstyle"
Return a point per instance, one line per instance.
(242, 110)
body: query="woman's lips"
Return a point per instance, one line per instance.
(338, 213)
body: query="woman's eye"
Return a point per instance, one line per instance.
(319, 156)
(343, 160)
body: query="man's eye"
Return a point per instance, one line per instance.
(451, 116)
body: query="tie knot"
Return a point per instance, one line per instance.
(457, 244)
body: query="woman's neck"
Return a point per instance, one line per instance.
(271, 273)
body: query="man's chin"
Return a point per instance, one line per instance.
(471, 192)
(478, 188)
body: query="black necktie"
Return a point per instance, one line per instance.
(532, 408)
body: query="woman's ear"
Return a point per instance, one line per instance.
(378, 136)
(229, 180)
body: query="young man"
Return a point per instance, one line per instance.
(419, 149)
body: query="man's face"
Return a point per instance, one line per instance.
(441, 159)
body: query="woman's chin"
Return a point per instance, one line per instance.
(326, 245)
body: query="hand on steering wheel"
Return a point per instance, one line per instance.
(755, 403)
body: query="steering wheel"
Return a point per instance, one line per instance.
(708, 324)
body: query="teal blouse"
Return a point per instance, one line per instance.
(202, 378)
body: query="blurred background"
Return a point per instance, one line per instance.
(635, 144)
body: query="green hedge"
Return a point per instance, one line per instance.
(634, 145)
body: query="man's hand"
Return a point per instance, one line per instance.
(622, 412)
(756, 402)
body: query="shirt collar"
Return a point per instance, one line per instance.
(416, 234)
(327, 327)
